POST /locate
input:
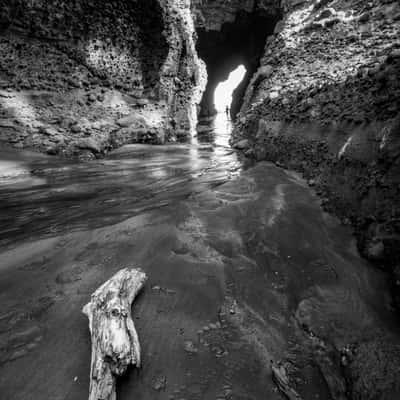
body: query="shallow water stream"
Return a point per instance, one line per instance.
(244, 269)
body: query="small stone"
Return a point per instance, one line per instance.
(142, 102)
(128, 120)
(395, 53)
(76, 129)
(49, 131)
(242, 144)
(52, 150)
(265, 71)
(190, 347)
(364, 17)
(327, 13)
(89, 144)
(249, 153)
(232, 310)
(376, 250)
(273, 95)
(160, 383)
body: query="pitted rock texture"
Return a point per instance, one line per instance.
(70, 70)
(211, 15)
(323, 57)
(326, 101)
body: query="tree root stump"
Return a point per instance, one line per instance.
(115, 342)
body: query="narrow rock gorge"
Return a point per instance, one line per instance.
(228, 38)
(270, 237)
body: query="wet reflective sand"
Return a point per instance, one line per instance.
(244, 269)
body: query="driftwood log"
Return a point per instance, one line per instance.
(281, 379)
(115, 342)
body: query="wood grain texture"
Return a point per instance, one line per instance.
(115, 342)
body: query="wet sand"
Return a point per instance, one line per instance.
(244, 269)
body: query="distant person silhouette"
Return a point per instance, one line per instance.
(227, 111)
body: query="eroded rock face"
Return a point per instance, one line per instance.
(74, 68)
(325, 101)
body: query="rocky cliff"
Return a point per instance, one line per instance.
(81, 77)
(325, 101)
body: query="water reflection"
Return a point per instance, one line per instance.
(58, 195)
(216, 130)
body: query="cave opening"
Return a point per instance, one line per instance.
(224, 91)
(240, 42)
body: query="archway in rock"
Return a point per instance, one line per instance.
(223, 94)
(239, 42)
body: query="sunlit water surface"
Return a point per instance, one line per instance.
(42, 195)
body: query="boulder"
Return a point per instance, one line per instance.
(76, 129)
(49, 131)
(132, 119)
(242, 144)
(89, 144)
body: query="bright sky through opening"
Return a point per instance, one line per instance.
(223, 92)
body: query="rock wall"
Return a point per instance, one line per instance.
(85, 76)
(211, 15)
(326, 101)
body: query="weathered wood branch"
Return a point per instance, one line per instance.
(281, 379)
(115, 342)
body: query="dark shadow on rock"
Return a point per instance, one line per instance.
(348, 147)
(239, 42)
